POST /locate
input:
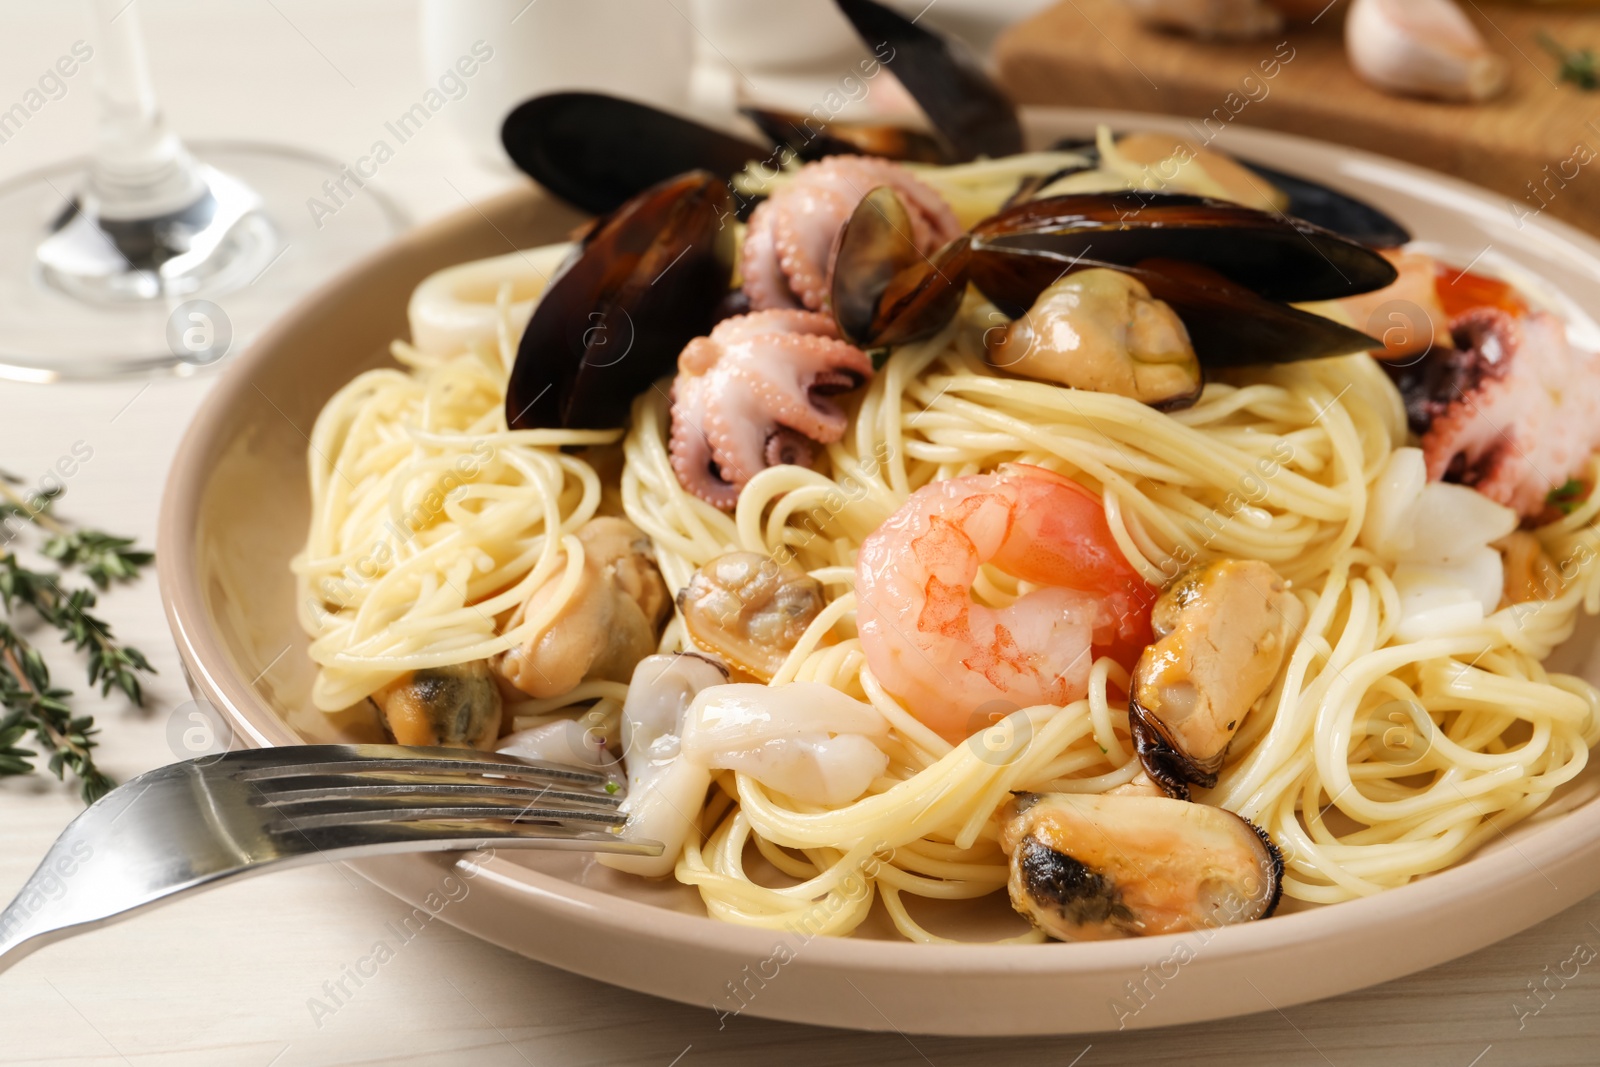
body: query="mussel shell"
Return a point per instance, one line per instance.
(885, 291)
(1163, 759)
(813, 139)
(1333, 210)
(1277, 257)
(969, 111)
(646, 280)
(1228, 325)
(596, 151)
(1310, 200)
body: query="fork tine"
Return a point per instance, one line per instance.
(294, 815)
(299, 760)
(424, 787)
(469, 834)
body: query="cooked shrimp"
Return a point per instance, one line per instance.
(954, 662)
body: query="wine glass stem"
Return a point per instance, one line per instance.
(140, 169)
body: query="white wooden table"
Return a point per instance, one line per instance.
(226, 978)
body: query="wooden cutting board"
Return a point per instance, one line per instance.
(1538, 143)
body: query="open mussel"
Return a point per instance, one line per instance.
(645, 281)
(1225, 269)
(1250, 183)
(1228, 324)
(1278, 257)
(595, 151)
(813, 137)
(1333, 210)
(885, 290)
(969, 112)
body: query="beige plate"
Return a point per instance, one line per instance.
(236, 508)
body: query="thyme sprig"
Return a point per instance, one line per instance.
(1580, 66)
(33, 704)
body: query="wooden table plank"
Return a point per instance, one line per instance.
(1537, 144)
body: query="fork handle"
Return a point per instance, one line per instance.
(35, 918)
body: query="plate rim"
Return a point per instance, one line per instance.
(1561, 846)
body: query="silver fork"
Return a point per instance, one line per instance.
(194, 824)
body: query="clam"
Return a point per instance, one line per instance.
(456, 706)
(645, 281)
(1089, 867)
(609, 623)
(749, 610)
(1222, 632)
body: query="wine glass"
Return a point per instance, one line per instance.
(152, 255)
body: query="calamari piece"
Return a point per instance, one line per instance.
(1513, 410)
(1087, 868)
(788, 250)
(563, 741)
(612, 621)
(457, 309)
(666, 788)
(803, 739)
(757, 392)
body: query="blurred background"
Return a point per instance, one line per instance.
(287, 94)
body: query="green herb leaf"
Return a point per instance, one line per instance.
(1567, 498)
(1580, 67)
(33, 704)
(105, 559)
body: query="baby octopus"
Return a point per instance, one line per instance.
(755, 393)
(787, 260)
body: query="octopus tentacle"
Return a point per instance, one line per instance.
(787, 259)
(690, 449)
(756, 392)
(764, 283)
(1513, 409)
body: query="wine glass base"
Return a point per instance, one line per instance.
(300, 235)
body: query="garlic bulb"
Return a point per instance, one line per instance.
(1421, 48)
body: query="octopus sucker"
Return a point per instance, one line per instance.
(757, 392)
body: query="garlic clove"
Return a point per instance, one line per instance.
(1421, 48)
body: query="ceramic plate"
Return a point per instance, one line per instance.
(235, 511)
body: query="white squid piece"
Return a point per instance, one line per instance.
(454, 309)
(1440, 538)
(806, 740)
(665, 789)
